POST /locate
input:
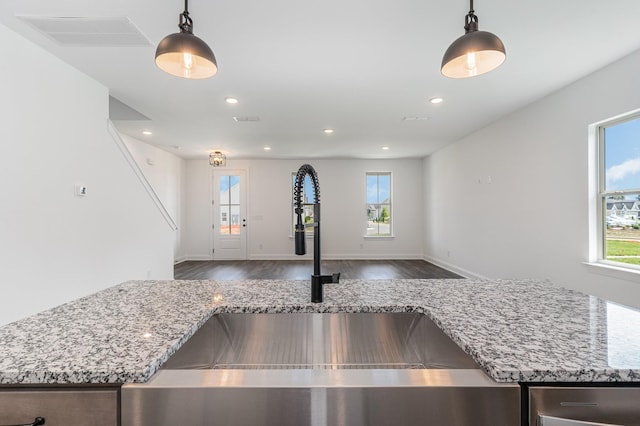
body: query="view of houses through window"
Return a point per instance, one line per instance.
(619, 145)
(307, 204)
(379, 204)
(378, 187)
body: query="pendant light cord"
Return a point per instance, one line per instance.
(471, 20)
(186, 23)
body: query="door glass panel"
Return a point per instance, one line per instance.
(229, 205)
(234, 193)
(224, 220)
(234, 226)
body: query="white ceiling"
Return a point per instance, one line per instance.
(357, 66)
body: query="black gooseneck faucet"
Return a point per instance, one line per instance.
(317, 279)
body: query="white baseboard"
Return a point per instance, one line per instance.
(309, 256)
(195, 257)
(180, 259)
(453, 268)
(373, 256)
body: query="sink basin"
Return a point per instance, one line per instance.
(355, 369)
(320, 341)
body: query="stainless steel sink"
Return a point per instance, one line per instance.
(320, 341)
(320, 369)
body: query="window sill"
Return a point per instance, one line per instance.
(378, 237)
(613, 270)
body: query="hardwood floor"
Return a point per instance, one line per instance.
(302, 269)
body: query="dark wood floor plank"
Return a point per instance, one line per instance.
(302, 269)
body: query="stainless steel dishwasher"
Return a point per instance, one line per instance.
(584, 406)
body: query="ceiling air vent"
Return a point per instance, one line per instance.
(84, 31)
(415, 118)
(245, 118)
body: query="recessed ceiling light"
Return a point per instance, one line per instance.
(385, 148)
(267, 148)
(328, 131)
(436, 100)
(231, 100)
(147, 132)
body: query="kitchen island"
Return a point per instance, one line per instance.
(516, 330)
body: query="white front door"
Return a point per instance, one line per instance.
(229, 215)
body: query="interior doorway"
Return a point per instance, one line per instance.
(229, 221)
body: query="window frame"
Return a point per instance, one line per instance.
(598, 209)
(390, 203)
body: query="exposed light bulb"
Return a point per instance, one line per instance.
(471, 63)
(187, 60)
(187, 64)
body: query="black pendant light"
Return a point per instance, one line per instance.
(185, 55)
(475, 53)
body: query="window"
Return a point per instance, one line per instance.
(307, 204)
(619, 191)
(379, 205)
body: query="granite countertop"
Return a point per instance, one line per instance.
(517, 331)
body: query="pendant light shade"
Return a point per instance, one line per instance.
(185, 55)
(475, 53)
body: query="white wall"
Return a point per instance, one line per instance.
(166, 174)
(511, 200)
(55, 246)
(343, 216)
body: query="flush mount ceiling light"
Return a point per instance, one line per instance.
(185, 55)
(474, 53)
(217, 159)
(436, 100)
(231, 100)
(328, 131)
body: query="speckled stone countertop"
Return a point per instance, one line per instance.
(527, 331)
